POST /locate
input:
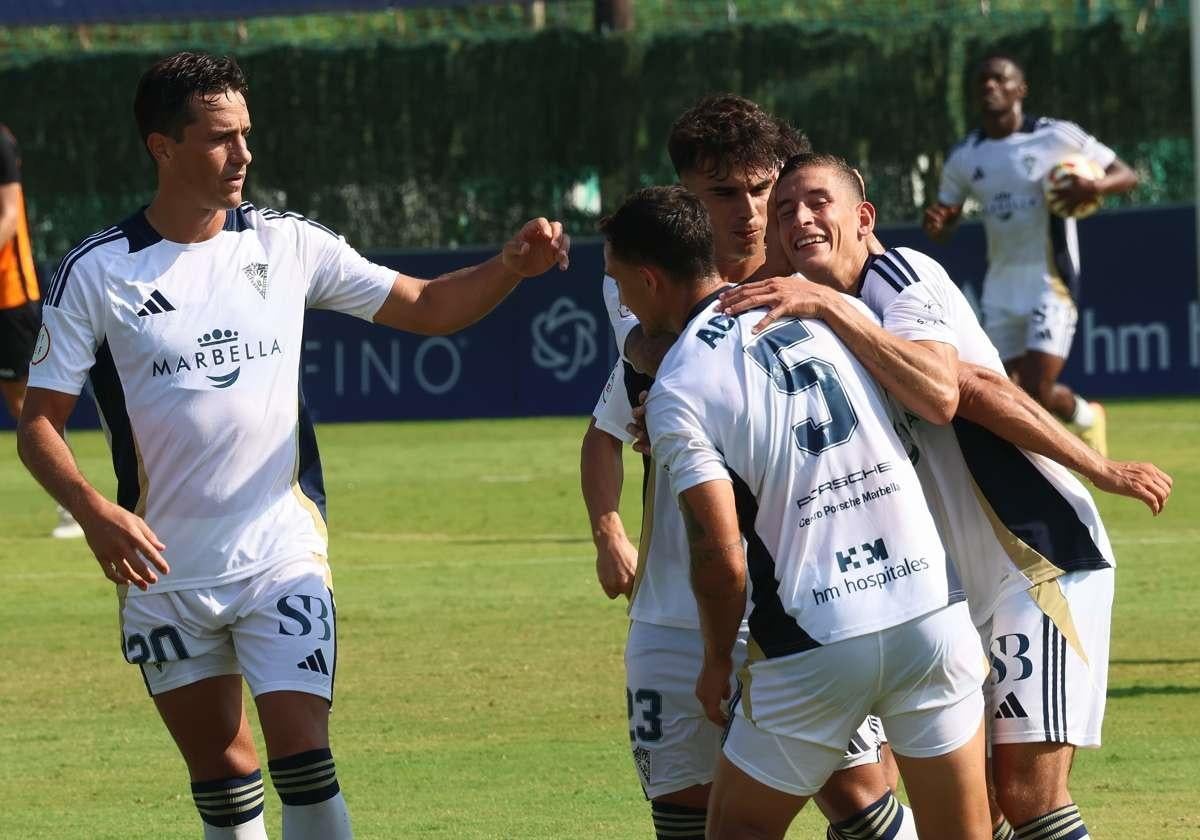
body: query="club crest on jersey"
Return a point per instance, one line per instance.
(217, 349)
(256, 273)
(1030, 163)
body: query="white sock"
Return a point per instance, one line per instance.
(908, 828)
(328, 820)
(251, 830)
(1084, 415)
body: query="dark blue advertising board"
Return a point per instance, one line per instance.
(548, 348)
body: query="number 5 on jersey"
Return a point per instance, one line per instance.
(812, 434)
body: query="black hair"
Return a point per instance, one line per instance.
(997, 55)
(724, 132)
(163, 102)
(663, 226)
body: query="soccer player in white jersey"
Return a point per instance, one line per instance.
(1025, 536)
(187, 318)
(854, 608)
(1032, 282)
(727, 150)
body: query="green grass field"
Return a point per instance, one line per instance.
(480, 690)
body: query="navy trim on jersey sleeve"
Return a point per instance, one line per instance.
(771, 626)
(110, 402)
(59, 282)
(10, 158)
(1025, 501)
(309, 474)
(271, 215)
(893, 268)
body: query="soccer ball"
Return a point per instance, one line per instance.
(1071, 165)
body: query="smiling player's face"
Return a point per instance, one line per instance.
(208, 165)
(823, 226)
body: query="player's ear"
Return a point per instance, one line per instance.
(159, 147)
(866, 219)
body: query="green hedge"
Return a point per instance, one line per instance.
(449, 143)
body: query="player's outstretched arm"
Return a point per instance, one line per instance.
(993, 401)
(601, 474)
(458, 299)
(718, 566)
(126, 549)
(923, 375)
(940, 221)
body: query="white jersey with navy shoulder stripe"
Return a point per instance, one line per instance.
(1010, 519)
(193, 352)
(1005, 177)
(839, 539)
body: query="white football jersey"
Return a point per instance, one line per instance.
(193, 352)
(839, 539)
(1009, 518)
(1005, 177)
(662, 592)
(623, 321)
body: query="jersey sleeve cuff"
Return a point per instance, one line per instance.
(613, 429)
(59, 385)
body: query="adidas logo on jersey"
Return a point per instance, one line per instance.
(156, 304)
(315, 661)
(1010, 708)
(978, 175)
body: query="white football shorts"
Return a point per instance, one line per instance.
(1025, 309)
(923, 678)
(674, 745)
(1049, 674)
(277, 629)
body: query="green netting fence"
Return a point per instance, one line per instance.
(449, 141)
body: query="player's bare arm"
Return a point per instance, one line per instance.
(10, 203)
(601, 474)
(456, 300)
(993, 401)
(1074, 190)
(126, 549)
(940, 221)
(923, 375)
(719, 581)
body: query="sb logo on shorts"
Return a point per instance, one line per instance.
(301, 611)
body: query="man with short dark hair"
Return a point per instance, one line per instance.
(727, 149)
(749, 432)
(1032, 283)
(187, 319)
(1025, 536)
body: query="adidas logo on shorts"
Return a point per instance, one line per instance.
(1010, 707)
(315, 661)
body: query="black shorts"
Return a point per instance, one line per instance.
(18, 333)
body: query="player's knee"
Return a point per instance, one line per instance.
(1022, 797)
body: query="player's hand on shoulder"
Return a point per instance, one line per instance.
(616, 565)
(781, 297)
(712, 688)
(126, 549)
(1137, 480)
(538, 246)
